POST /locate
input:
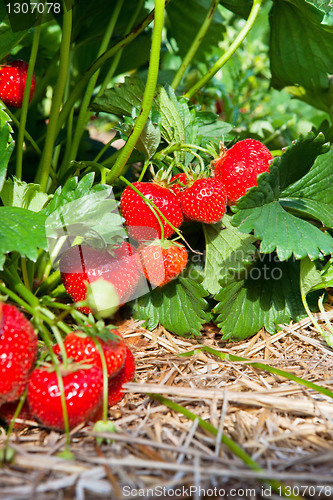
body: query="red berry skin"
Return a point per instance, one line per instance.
(83, 393)
(239, 166)
(12, 83)
(7, 411)
(141, 223)
(178, 183)
(204, 201)
(126, 374)
(160, 264)
(18, 352)
(80, 264)
(81, 347)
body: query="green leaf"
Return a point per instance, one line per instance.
(228, 252)
(269, 295)
(6, 143)
(317, 184)
(297, 37)
(240, 7)
(8, 39)
(16, 193)
(311, 209)
(74, 190)
(21, 231)
(172, 125)
(284, 232)
(212, 129)
(186, 19)
(121, 99)
(179, 306)
(260, 209)
(149, 139)
(310, 277)
(84, 210)
(189, 121)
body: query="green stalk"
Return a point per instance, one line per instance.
(226, 56)
(70, 120)
(46, 338)
(25, 103)
(195, 45)
(163, 153)
(84, 116)
(261, 366)
(313, 319)
(60, 342)
(106, 146)
(43, 82)
(144, 169)
(148, 95)
(105, 377)
(53, 129)
(26, 280)
(233, 447)
(13, 279)
(79, 88)
(16, 414)
(49, 284)
(26, 134)
(16, 298)
(117, 57)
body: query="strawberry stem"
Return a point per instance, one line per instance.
(43, 171)
(26, 98)
(25, 275)
(16, 299)
(102, 151)
(13, 279)
(105, 376)
(46, 338)
(16, 414)
(84, 114)
(79, 88)
(148, 95)
(163, 153)
(226, 56)
(195, 45)
(144, 169)
(117, 57)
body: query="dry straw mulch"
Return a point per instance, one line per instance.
(285, 427)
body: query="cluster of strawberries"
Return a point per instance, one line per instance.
(82, 376)
(153, 212)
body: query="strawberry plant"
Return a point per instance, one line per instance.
(192, 220)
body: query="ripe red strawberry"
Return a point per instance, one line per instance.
(81, 347)
(18, 352)
(13, 76)
(81, 263)
(126, 374)
(7, 411)
(204, 201)
(162, 261)
(141, 222)
(83, 393)
(178, 183)
(239, 166)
